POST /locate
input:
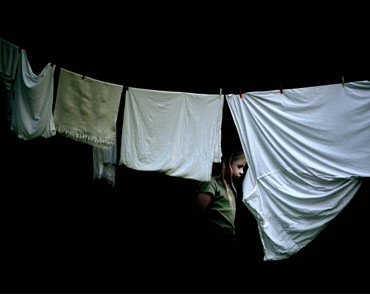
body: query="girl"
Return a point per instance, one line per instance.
(216, 203)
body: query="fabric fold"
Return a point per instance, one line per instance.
(172, 132)
(86, 109)
(307, 151)
(104, 164)
(33, 101)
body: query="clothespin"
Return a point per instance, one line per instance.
(220, 91)
(281, 88)
(240, 93)
(343, 81)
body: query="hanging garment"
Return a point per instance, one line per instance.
(9, 56)
(33, 101)
(307, 150)
(104, 164)
(175, 133)
(86, 109)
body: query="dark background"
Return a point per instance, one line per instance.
(63, 232)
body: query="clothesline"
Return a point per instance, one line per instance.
(228, 90)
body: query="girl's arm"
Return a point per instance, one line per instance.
(202, 202)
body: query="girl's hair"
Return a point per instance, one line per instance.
(223, 171)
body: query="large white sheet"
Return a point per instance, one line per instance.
(172, 132)
(307, 150)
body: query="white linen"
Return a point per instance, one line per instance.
(307, 150)
(33, 101)
(172, 132)
(104, 164)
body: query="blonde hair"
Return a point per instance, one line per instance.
(225, 174)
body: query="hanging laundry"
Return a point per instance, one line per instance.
(172, 132)
(86, 109)
(104, 164)
(307, 150)
(33, 101)
(9, 56)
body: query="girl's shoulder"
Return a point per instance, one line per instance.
(213, 186)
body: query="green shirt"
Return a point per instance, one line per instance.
(221, 211)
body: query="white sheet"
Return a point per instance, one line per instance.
(172, 132)
(307, 150)
(33, 101)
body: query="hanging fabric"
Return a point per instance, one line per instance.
(86, 109)
(176, 133)
(307, 150)
(9, 56)
(33, 101)
(104, 164)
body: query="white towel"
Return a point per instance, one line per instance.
(172, 132)
(307, 150)
(33, 101)
(86, 109)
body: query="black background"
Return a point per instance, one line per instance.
(62, 232)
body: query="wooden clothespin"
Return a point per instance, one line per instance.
(240, 93)
(343, 81)
(281, 88)
(220, 91)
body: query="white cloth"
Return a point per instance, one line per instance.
(172, 132)
(9, 56)
(307, 150)
(33, 101)
(86, 109)
(104, 164)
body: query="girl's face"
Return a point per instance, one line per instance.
(237, 167)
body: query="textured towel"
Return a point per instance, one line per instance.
(86, 109)
(33, 101)
(172, 132)
(307, 150)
